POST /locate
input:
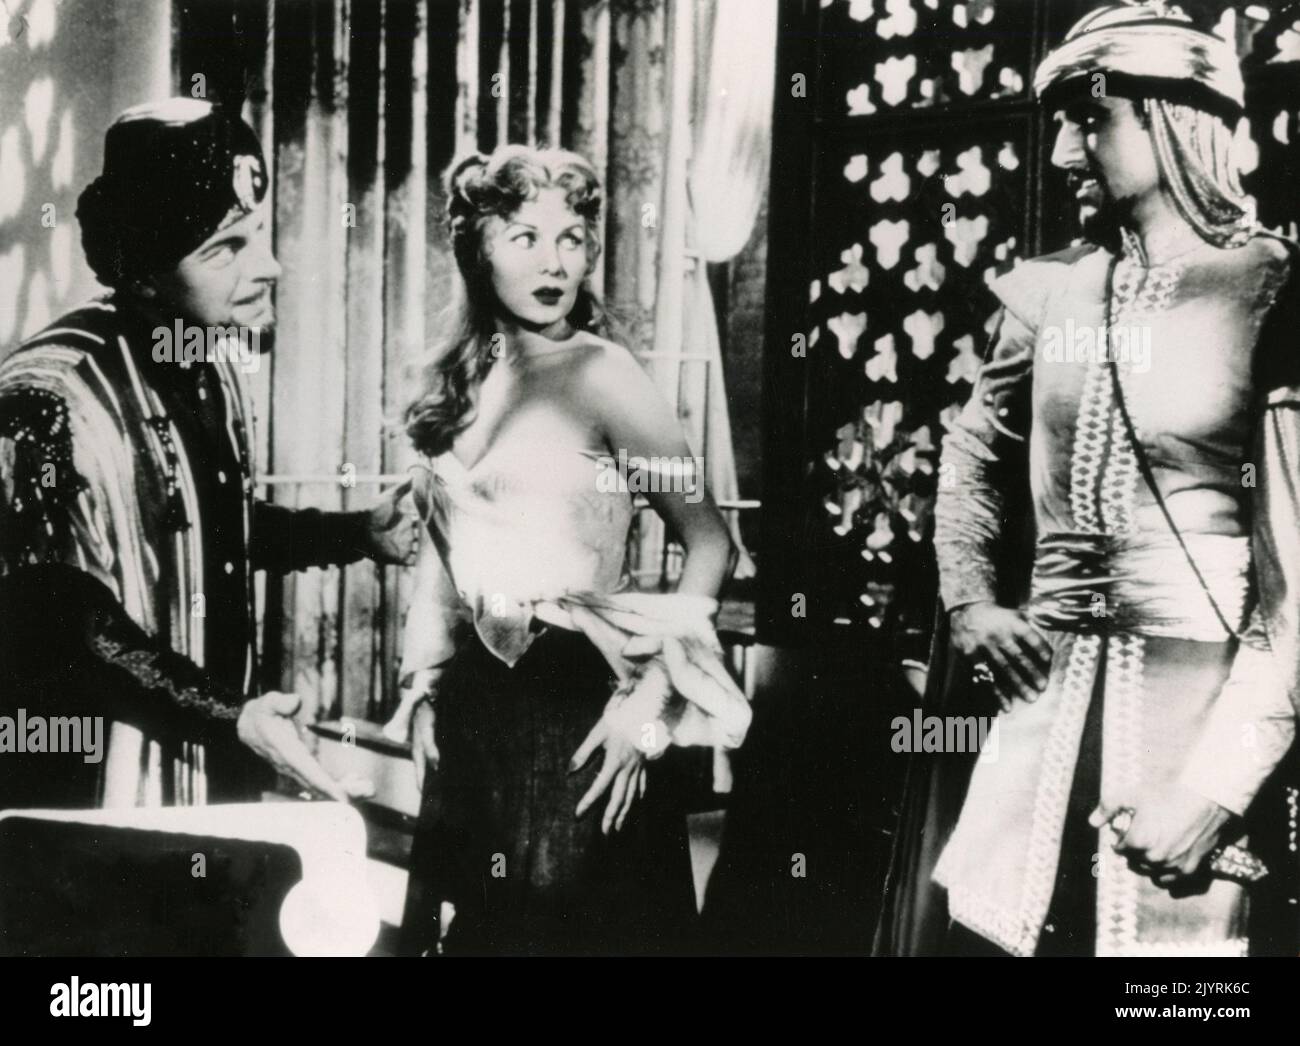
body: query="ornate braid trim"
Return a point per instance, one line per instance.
(1055, 778)
(1158, 290)
(1117, 884)
(1132, 297)
(1128, 278)
(143, 666)
(1004, 928)
(1226, 948)
(1089, 449)
(1010, 934)
(1118, 495)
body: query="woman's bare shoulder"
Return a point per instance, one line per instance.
(606, 365)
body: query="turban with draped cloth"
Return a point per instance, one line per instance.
(1189, 84)
(175, 172)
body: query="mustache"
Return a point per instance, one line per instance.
(1074, 179)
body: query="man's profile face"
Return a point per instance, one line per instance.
(1106, 151)
(227, 280)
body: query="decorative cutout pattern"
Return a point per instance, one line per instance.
(904, 301)
(914, 222)
(922, 53)
(892, 184)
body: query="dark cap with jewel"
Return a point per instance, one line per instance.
(175, 172)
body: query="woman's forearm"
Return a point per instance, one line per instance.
(710, 558)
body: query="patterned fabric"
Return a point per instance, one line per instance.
(1200, 163)
(136, 474)
(175, 172)
(1149, 42)
(158, 456)
(1166, 669)
(152, 562)
(690, 699)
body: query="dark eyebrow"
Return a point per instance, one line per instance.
(225, 241)
(1083, 107)
(524, 224)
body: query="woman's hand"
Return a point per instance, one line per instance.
(424, 750)
(415, 718)
(414, 688)
(622, 774)
(1014, 651)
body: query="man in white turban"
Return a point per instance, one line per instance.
(1145, 383)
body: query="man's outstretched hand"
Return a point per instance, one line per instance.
(393, 533)
(270, 726)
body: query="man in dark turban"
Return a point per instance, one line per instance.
(129, 532)
(1145, 387)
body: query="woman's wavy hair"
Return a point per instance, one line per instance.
(479, 187)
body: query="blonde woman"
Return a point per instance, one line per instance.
(538, 845)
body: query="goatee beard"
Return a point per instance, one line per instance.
(1103, 225)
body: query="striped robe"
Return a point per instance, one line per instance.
(128, 537)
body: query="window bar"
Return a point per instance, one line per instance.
(593, 138)
(556, 97)
(467, 77)
(531, 121)
(502, 79)
(375, 31)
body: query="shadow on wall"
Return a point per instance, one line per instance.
(67, 67)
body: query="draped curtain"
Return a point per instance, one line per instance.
(727, 178)
(361, 105)
(676, 103)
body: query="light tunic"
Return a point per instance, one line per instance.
(1113, 592)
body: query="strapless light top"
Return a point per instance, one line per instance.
(526, 523)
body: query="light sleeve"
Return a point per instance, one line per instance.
(436, 614)
(986, 444)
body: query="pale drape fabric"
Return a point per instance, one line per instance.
(728, 170)
(1199, 159)
(728, 177)
(716, 163)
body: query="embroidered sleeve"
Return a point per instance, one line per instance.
(169, 690)
(286, 539)
(56, 615)
(39, 482)
(986, 442)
